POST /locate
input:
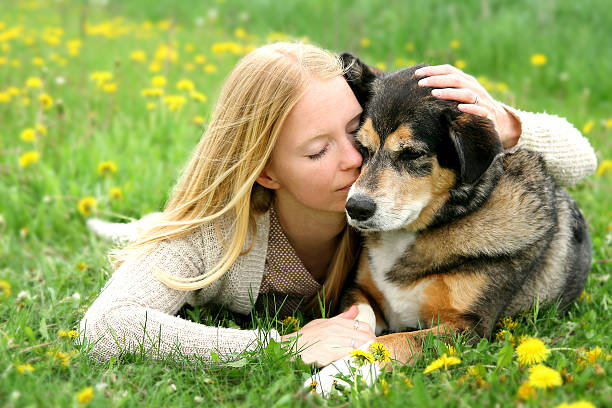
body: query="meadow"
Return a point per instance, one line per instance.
(101, 103)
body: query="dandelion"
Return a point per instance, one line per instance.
(155, 66)
(152, 92)
(28, 135)
(532, 350)
(5, 289)
(5, 97)
(588, 127)
(541, 376)
(240, 33)
(504, 335)
(379, 352)
(507, 323)
(409, 46)
(45, 100)
(85, 395)
(313, 384)
(159, 81)
(72, 334)
(455, 44)
(442, 362)
(174, 102)
(385, 386)
(138, 56)
(62, 333)
(365, 42)
(197, 96)
(199, 59)
(110, 87)
(461, 64)
(106, 168)
(577, 404)
(33, 83)
(606, 165)
(23, 368)
(199, 120)
(74, 46)
(101, 77)
(526, 391)
(39, 62)
(538, 60)
(609, 123)
(189, 47)
(361, 357)
(501, 87)
(151, 105)
(185, 85)
(41, 129)
(115, 193)
(87, 205)
(381, 65)
(81, 265)
(29, 158)
(408, 382)
(210, 68)
(450, 350)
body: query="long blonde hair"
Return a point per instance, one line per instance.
(219, 179)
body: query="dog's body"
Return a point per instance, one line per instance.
(457, 233)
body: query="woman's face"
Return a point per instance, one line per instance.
(314, 162)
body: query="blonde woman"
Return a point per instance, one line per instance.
(259, 209)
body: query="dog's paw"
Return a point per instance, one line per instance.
(331, 376)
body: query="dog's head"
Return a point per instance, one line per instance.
(416, 148)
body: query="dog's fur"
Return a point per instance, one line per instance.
(457, 233)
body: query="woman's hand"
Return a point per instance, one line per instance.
(456, 85)
(323, 341)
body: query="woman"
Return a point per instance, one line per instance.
(259, 209)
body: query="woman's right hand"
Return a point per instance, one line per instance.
(323, 341)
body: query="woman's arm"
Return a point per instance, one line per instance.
(135, 309)
(568, 155)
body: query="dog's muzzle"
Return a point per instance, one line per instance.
(360, 207)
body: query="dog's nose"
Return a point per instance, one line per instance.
(360, 207)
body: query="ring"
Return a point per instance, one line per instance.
(476, 100)
(356, 325)
(353, 342)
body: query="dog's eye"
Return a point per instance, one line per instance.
(409, 155)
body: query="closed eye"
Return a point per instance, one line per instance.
(406, 155)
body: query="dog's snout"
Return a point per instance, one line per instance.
(360, 208)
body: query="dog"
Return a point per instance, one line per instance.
(457, 233)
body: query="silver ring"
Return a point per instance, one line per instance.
(476, 100)
(356, 325)
(353, 342)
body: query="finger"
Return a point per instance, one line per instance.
(351, 313)
(436, 70)
(446, 81)
(455, 94)
(474, 110)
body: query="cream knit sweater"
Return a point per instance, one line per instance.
(134, 309)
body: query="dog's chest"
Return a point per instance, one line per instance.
(403, 303)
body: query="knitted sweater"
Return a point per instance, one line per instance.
(133, 301)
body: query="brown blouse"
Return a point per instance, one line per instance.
(286, 284)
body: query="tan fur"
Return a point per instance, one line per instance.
(400, 139)
(368, 137)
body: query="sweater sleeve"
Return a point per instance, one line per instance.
(135, 310)
(568, 155)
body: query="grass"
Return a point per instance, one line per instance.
(55, 268)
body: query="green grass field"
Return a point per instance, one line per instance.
(81, 118)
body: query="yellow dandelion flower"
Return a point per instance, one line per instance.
(450, 350)
(138, 56)
(588, 127)
(577, 404)
(81, 265)
(174, 102)
(455, 44)
(29, 158)
(45, 100)
(152, 92)
(159, 81)
(189, 47)
(276, 36)
(408, 382)
(62, 333)
(538, 60)
(198, 96)
(240, 33)
(604, 166)
(486, 82)
(313, 384)
(15, 62)
(541, 376)
(101, 77)
(442, 362)
(5, 289)
(199, 120)
(365, 42)
(87, 205)
(409, 46)
(2, 60)
(199, 59)
(33, 82)
(379, 352)
(461, 64)
(361, 357)
(110, 87)
(381, 65)
(532, 350)
(155, 66)
(115, 193)
(504, 335)
(85, 395)
(185, 85)
(151, 105)
(28, 135)
(39, 62)
(41, 129)
(501, 87)
(210, 68)
(526, 391)
(5, 97)
(72, 334)
(385, 386)
(23, 368)
(609, 123)
(106, 168)
(593, 354)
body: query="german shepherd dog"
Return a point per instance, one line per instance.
(457, 233)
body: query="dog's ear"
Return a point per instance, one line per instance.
(359, 76)
(476, 143)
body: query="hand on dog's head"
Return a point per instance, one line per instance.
(393, 98)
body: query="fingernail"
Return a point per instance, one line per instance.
(423, 82)
(419, 72)
(436, 92)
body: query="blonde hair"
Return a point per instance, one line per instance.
(219, 179)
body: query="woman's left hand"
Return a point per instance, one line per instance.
(455, 85)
